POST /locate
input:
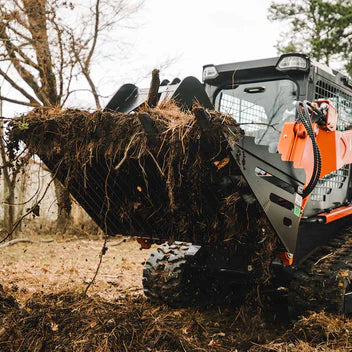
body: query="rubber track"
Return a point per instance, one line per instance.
(164, 275)
(320, 282)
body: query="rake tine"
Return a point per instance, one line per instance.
(203, 119)
(149, 127)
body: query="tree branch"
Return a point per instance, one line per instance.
(95, 35)
(18, 221)
(61, 50)
(18, 88)
(36, 15)
(85, 66)
(19, 102)
(25, 75)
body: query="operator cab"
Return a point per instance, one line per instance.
(261, 95)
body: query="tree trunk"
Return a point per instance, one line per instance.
(64, 206)
(9, 186)
(9, 208)
(21, 191)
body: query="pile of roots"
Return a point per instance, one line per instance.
(68, 321)
(175, 184)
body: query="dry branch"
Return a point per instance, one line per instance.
(23, 240)
(101, 255)
(28, 212)
(114, 244)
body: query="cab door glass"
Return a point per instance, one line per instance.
(261, 108)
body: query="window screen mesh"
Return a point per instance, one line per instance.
(343, 103)
(244, 112)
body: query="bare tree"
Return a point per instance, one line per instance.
(12, 166)
(50, 43)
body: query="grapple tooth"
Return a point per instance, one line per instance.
(149, 127)
(165, 82)
(203, 119)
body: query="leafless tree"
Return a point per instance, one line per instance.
(11, 168)
(46, 44)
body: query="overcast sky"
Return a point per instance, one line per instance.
(202, 32)
(190, 34)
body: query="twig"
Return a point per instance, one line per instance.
(24, 240)
(260, 123)
(156, 163)
(125, 154)
(322, 258)
(101, 255)
(113, 244)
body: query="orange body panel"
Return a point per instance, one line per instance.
(144, 243)
(336, 214)
(335, 148)
(286, 258)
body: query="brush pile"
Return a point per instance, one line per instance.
(176, 183)
(68, 321)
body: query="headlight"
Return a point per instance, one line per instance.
(209, 72)
(289, 62)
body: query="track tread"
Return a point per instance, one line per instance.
(321, 281)
(164, 275)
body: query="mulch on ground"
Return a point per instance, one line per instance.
(69, 321)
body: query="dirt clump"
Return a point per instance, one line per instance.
(314, 332)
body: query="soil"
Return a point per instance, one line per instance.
(42, 308)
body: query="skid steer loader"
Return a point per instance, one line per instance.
(294, 157)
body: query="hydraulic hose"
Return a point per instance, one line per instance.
(304, 116)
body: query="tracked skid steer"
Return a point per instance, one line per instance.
(290, 164)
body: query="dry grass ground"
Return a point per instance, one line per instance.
(69, 263)
(47, 279)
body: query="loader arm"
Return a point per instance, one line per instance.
(276, 184)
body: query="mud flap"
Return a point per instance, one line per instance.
(276, 185)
